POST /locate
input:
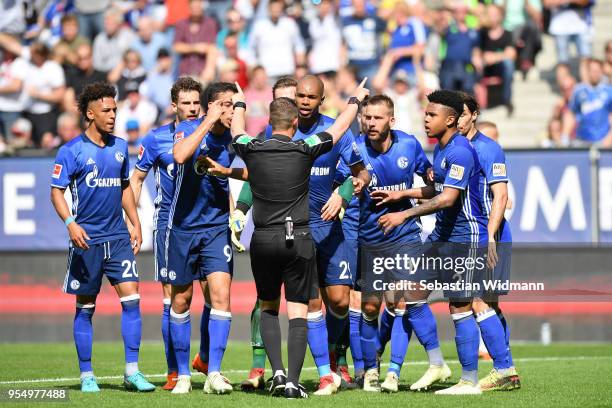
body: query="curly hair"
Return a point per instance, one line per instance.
(94, 92)
(450, 99)
(184, 84)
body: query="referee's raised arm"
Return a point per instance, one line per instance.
(348, 115)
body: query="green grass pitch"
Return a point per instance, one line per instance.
(560, 375)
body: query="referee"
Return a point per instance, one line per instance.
(282, 249)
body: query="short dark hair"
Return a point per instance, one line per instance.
(381, 100)
(450, 99)
(283, 111)
(216, 88)
(284, 82)
(184, 84)
(69, 18)
(470, 101)
(94, 92)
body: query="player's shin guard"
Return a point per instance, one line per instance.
(317, 341)
(219, 328)
(335, 327)
(296, 349)
(82, 331)
(369, 332)
(205, 333)
(259, 353)
(466, 340)
(355, 340)
(400, 337)
(165, 329)
(424, 326)
(494, 338)
(180, 334)
(384, 332)
(131, 331)
(506, 327)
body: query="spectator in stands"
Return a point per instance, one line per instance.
(234, 25)
(64, 51)
(346, 81)
(326, 40)
(275, 43)
(490, 130)
(67, 129)
(571, 21)
(12, 19)
(591, 108)
(45, 87)
(228, 69)
(49, 26)
(91, 16)
(562, 113)
(361, 33)
(136, 107)
(608, 61)
(296, 12)
(457, 70)
(405, 97)
(149, 42)
(232, 52)
(194, 42)
(159, 80)
(497, 54)
(22, 135)
(523, 18)
(130, 70)
(258, 96)
(132, 129)
(407, 41)
(109, 45)
(156, 11)
(13, 71)
(80, 75)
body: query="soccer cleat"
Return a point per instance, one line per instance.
(89, 384)
(463, 387)
(199, 365)
(347, 381)
(278, 385)
(337, 379)
(170, 381)
(371, 381)
(516, 381)
(217, 383)
(391, 383)
(255, 381)
(137, 382)
(293, 392)
(183, 385)
(496, 381)
(327, 386)
(434, 374)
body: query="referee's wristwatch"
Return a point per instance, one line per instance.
(354, 99)
(240, 104)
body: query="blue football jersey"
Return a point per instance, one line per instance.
(456, 165)
(493, 162)
(200, 201)
(155, 153)
(95, 175)
(393, 170)
(592, 107)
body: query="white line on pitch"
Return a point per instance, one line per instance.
(117, 377)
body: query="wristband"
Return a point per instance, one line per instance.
(354, 99)
(240, 104)
(69, 220)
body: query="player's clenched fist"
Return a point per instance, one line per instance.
(78, 236)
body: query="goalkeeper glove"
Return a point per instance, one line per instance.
(237, 221)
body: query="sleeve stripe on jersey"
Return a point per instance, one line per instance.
(244, 139)
(453, 186)
(58, 186)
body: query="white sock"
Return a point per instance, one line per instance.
(131, 368)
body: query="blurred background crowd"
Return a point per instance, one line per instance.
(50, 49)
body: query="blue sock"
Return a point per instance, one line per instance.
(355, 340)
(424, 325)
(205, 333)
(384, 332)
(494, 338)
(369, 332)
(400, 337)
(317, 341)
(467, 341)
(165, 328)
(82, 331)
(219, 328)
(180, 334)
(506, 327)
(335, 327)
(131, 327)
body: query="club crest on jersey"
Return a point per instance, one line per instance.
(57, 171)
(163, 272)
(179, 135)
(499, 169)
(374, 180)
(402, 162)
(141, 150)
(75, 284)
(456, 172)
(172, 275)
(355, 149)
(119, 157)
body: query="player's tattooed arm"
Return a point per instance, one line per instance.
(184, 148)
(77, 234)
(386, 197)
(129, 206)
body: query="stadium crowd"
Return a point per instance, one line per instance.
(52, 49)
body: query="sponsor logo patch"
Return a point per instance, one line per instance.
(179, 135)
(499, 169)
(141, 151)
(456, 172)
(57, 171)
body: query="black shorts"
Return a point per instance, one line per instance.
(275, 262)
